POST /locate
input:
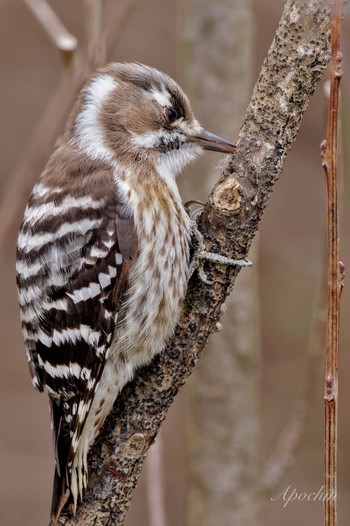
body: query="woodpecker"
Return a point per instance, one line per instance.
(103, 254)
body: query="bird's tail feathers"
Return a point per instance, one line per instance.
(71, 450)
(60, 495)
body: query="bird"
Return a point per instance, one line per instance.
(103, 253)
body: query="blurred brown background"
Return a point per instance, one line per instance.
(292, 247)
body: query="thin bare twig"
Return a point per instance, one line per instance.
(65, 42)
(329, 149)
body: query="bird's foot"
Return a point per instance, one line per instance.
(200, 255)
(196, 211)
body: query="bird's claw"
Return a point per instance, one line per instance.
(201, 273)
(200, 255)
(196, 211)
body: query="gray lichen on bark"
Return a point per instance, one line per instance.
(297, 58)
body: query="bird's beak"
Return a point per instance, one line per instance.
(209, 141)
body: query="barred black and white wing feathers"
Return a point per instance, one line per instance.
(74, 252)
(84, 333)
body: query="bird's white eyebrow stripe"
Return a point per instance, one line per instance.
(162, 97)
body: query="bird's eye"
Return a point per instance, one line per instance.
(171, 114)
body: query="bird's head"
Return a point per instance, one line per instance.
(134, 114)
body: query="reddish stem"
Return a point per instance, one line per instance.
(329, 150)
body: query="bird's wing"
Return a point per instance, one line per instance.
(73, 261)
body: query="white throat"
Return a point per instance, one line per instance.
(174, 160)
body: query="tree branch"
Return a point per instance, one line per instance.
(65, 42)
(297, 58)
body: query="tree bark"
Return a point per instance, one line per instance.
(223, 427)
(297, 58)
